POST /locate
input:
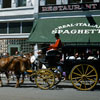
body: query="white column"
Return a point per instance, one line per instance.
(36, 5)
(36, 50)
(96, 1)
(14, 3)
(29, 3)
(0, 3)
(58, 2)
(64, 1)
(42, 2)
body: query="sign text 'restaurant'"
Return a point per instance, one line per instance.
(69, 7)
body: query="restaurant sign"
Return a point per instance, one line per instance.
(70, 7)
(77, 28)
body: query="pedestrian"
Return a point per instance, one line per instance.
(5, 55)
(17, 53)
(32, 60)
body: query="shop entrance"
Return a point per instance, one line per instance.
(13, 48)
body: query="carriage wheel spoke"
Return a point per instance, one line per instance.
(87, 69)
(81, 85)
(92, 76)
(90, 72)
(78, 81)
(77, 74)
(82, 69)
(89, 83)
(85, 84)
(79, 70)
(76, 78)
(91, 79)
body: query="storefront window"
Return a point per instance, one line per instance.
(21, 3)
(80, 1)
(3, 28)
(6, 3)
(25, 47)
(87, 1)
(50, 2)
(26, 27)
(14, 27)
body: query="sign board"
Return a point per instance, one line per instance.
(77, 28)
(70, 7)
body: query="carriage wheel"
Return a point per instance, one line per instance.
(84, 77)
(45, 79)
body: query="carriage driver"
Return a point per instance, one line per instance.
(57, 44)
(54, 46)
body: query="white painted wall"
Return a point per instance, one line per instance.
(29, 3)
(42, 2)
(96, 1)
(15, 11)
(13, 3)
(58, 2)
(64, 1)
(36, 5)
(0, 3)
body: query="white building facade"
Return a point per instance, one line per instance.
(16, 21)
(17, 18)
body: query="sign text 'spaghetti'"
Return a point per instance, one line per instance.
(77, 28)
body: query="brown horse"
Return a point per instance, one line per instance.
(16, 64)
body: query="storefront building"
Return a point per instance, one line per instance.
(77, 22)
(16, 21)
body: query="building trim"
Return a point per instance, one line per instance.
(14, 36)
(13, 20)
(69, 14)
(16, 9)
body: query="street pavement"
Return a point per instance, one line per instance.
(29, 91)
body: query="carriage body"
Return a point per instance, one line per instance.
(70, 63)
(83, 73)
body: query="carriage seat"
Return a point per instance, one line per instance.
(53, 56)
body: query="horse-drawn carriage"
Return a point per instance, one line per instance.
(83, 72)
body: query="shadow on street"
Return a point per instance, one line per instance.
(57, 87)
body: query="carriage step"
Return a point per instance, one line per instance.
(29, 71)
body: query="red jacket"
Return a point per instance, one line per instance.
(56, 45)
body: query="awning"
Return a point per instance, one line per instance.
(71, 30)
